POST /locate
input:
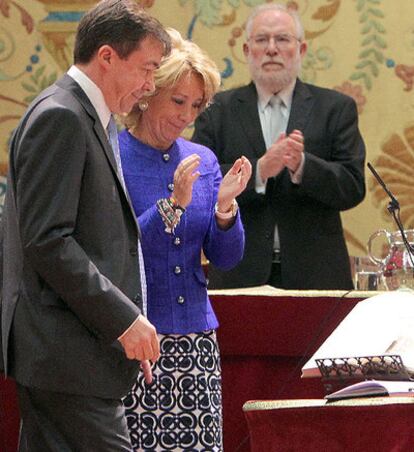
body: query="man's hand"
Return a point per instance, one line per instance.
(271, 163)
(294, 149)
(140, 341)
(286, 151)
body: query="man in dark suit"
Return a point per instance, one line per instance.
(72, 326)
(307, 155)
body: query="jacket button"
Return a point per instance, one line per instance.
(166, 157)
(171, 187)
(137, 299)
(180, 300)
(177, 269)
(268, 235)
(177, 241)
(133, 251)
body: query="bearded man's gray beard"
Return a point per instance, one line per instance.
(273, 82)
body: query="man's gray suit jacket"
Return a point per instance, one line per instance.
(70, 264)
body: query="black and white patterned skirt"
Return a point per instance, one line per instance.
(181, 409)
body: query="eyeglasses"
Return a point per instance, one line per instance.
(282, 41)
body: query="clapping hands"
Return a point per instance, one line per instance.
(184, 177)
(233, 183)
(286, 151)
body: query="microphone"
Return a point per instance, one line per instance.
(394, 203)
(394, 208)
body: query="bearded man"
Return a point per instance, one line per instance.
(308, 162)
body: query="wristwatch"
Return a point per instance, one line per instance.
(231, 213)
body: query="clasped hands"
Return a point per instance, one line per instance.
(286, 151)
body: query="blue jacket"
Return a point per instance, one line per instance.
(176, 285)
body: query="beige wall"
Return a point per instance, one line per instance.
(362, 47)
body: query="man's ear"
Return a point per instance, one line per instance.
(106, 55)
(303, 48)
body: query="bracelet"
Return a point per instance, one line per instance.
(229, 214)
(170, 213)
(174, 204)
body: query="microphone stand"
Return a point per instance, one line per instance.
(394, 209)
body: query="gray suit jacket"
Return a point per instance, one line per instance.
(313, 250)
(70, 264)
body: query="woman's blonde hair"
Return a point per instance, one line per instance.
(185, 57)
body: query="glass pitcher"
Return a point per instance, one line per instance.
(398, 265)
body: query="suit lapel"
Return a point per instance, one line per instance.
(245, 109)
(68, 84)
(302, 103)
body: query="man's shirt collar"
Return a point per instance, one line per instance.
(94, 94)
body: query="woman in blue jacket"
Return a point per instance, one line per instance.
(183, 206)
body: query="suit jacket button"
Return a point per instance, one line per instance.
(171, 187)
(177, 241)
(177, 269)
(180, 300)
(166, 157)
(133, 251)
(137, 299)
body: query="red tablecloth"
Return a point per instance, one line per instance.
(358, 425)
(265, 339)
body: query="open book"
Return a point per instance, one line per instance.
(380, 325)
(371, 388)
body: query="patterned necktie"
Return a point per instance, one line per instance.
(113, 140)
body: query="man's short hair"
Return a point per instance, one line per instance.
(121, 24)
(275, 7)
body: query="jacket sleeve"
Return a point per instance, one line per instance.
(335, 176)
(151, 225)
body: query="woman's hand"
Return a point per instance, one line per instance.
(233, 183)
(184, 177)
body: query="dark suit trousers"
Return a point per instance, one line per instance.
(58, 422)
